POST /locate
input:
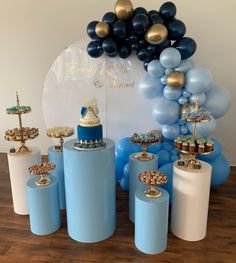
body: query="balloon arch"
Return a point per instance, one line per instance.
(172, 80)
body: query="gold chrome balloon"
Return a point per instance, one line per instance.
(175, 80)
(102, 29)
(124, 9)
(156, 34)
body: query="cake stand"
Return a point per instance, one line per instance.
(21, 134)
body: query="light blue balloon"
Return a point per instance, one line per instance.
(182, 100)
(126, 171)
(124, 184)
(204, 128)
(218, 101)
(171, 94)
(186, 93)
(150, 87)
(163, 157)
(184, 129)
(220, 170)
(174, 158)
(201, 97)
(170, 58)
(163, 80)
(155, 68)
(154, 148)
(198, 80)
(119, 166)
(167, 71)
(184, 66)
(167, 169)
(170, 131)
(165, 111)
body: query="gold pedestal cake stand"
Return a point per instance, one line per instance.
(21, 134)
(153, 179)
(60, 133)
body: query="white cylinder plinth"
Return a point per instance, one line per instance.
(19, 175)
(191, 190)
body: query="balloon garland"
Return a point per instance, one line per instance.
(172, 80)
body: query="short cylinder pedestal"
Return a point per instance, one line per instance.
(90, 192)
(137, 166)
(44, 206)
(190, 203)
(151, 222)
(56, 157)
(19, 175)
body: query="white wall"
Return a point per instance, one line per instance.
(34, 32)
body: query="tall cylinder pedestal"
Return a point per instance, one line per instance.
(19, 175)
(151, 222)
(44, 206)
(190, 203)
(90, 192)
(56, 157)
(137, 166)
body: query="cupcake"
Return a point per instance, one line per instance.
(185, 146)
(178, 143)
(209, 147)
(201, 148)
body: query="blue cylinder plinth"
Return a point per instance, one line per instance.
(90, 192)
(57, 158)
(44, 206)
(137, 166)
(151, 222)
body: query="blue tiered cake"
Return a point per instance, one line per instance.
(89, 130)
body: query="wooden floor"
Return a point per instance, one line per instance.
(18, 244)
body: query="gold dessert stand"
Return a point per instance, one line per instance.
(152, 179)
(60, 133)
(22, 134)
(42, 170)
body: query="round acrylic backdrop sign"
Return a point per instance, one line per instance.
(75, 75)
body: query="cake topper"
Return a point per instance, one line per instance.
(145, 139)
(42, 170)
(153, 179)
(21, 134)
(60, 132)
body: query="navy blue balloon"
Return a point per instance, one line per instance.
(145, 64)
(140, 23)
(167, 169)
(152, 12)
(109, 46)
(134, 38)
(151, 49)
(156, 19)
(91, 29)
(186, 46)
(142, 44)
(165, 44)
(110, 18)
(124, 52)
(176, 29)
(93, 50)
(119, 29)
(140, 10)
(134, 46)
(143, 55)
(168, 11)
(97, 41)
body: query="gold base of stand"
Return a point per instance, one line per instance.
(144, 156)
(152, 193)
(43, 181)
(23, 149)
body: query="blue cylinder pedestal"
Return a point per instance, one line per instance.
(151, 222)
(90, 192)
(137, 166)
(44, 207)
(56, 157)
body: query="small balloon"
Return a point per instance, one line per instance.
(124, 52)
(140, 10)
(170, 58)
(91, 29)
(184, 129)
(171, 131)
(168, 11)
(156, 19)
(93, 50)
(124, 9)
(163, 80)
(175, 79)
(109, 46)
(143, 55)
(176, 29)
(151, 49)
(171, 94)
(109, 18)
(119, 29)
(155, 68)
(102, 29)
(200, 97)
(182, 100)
(124, 184)
(140, 23)
(126, 171)
(156, 34)
(184, 66)
(186, 46)
(186, 93)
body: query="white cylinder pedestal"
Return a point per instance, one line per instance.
(19, 175)
(191, 190)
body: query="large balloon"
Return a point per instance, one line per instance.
(170, 58)
(166, 111)
(204, 128)
(186, 46)
(167, 169)
(220, 170)
(218, 101)
(140, 23)
(168, 11)
(171, 131)
(150, 87)
(198, 80)
(155, 68)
